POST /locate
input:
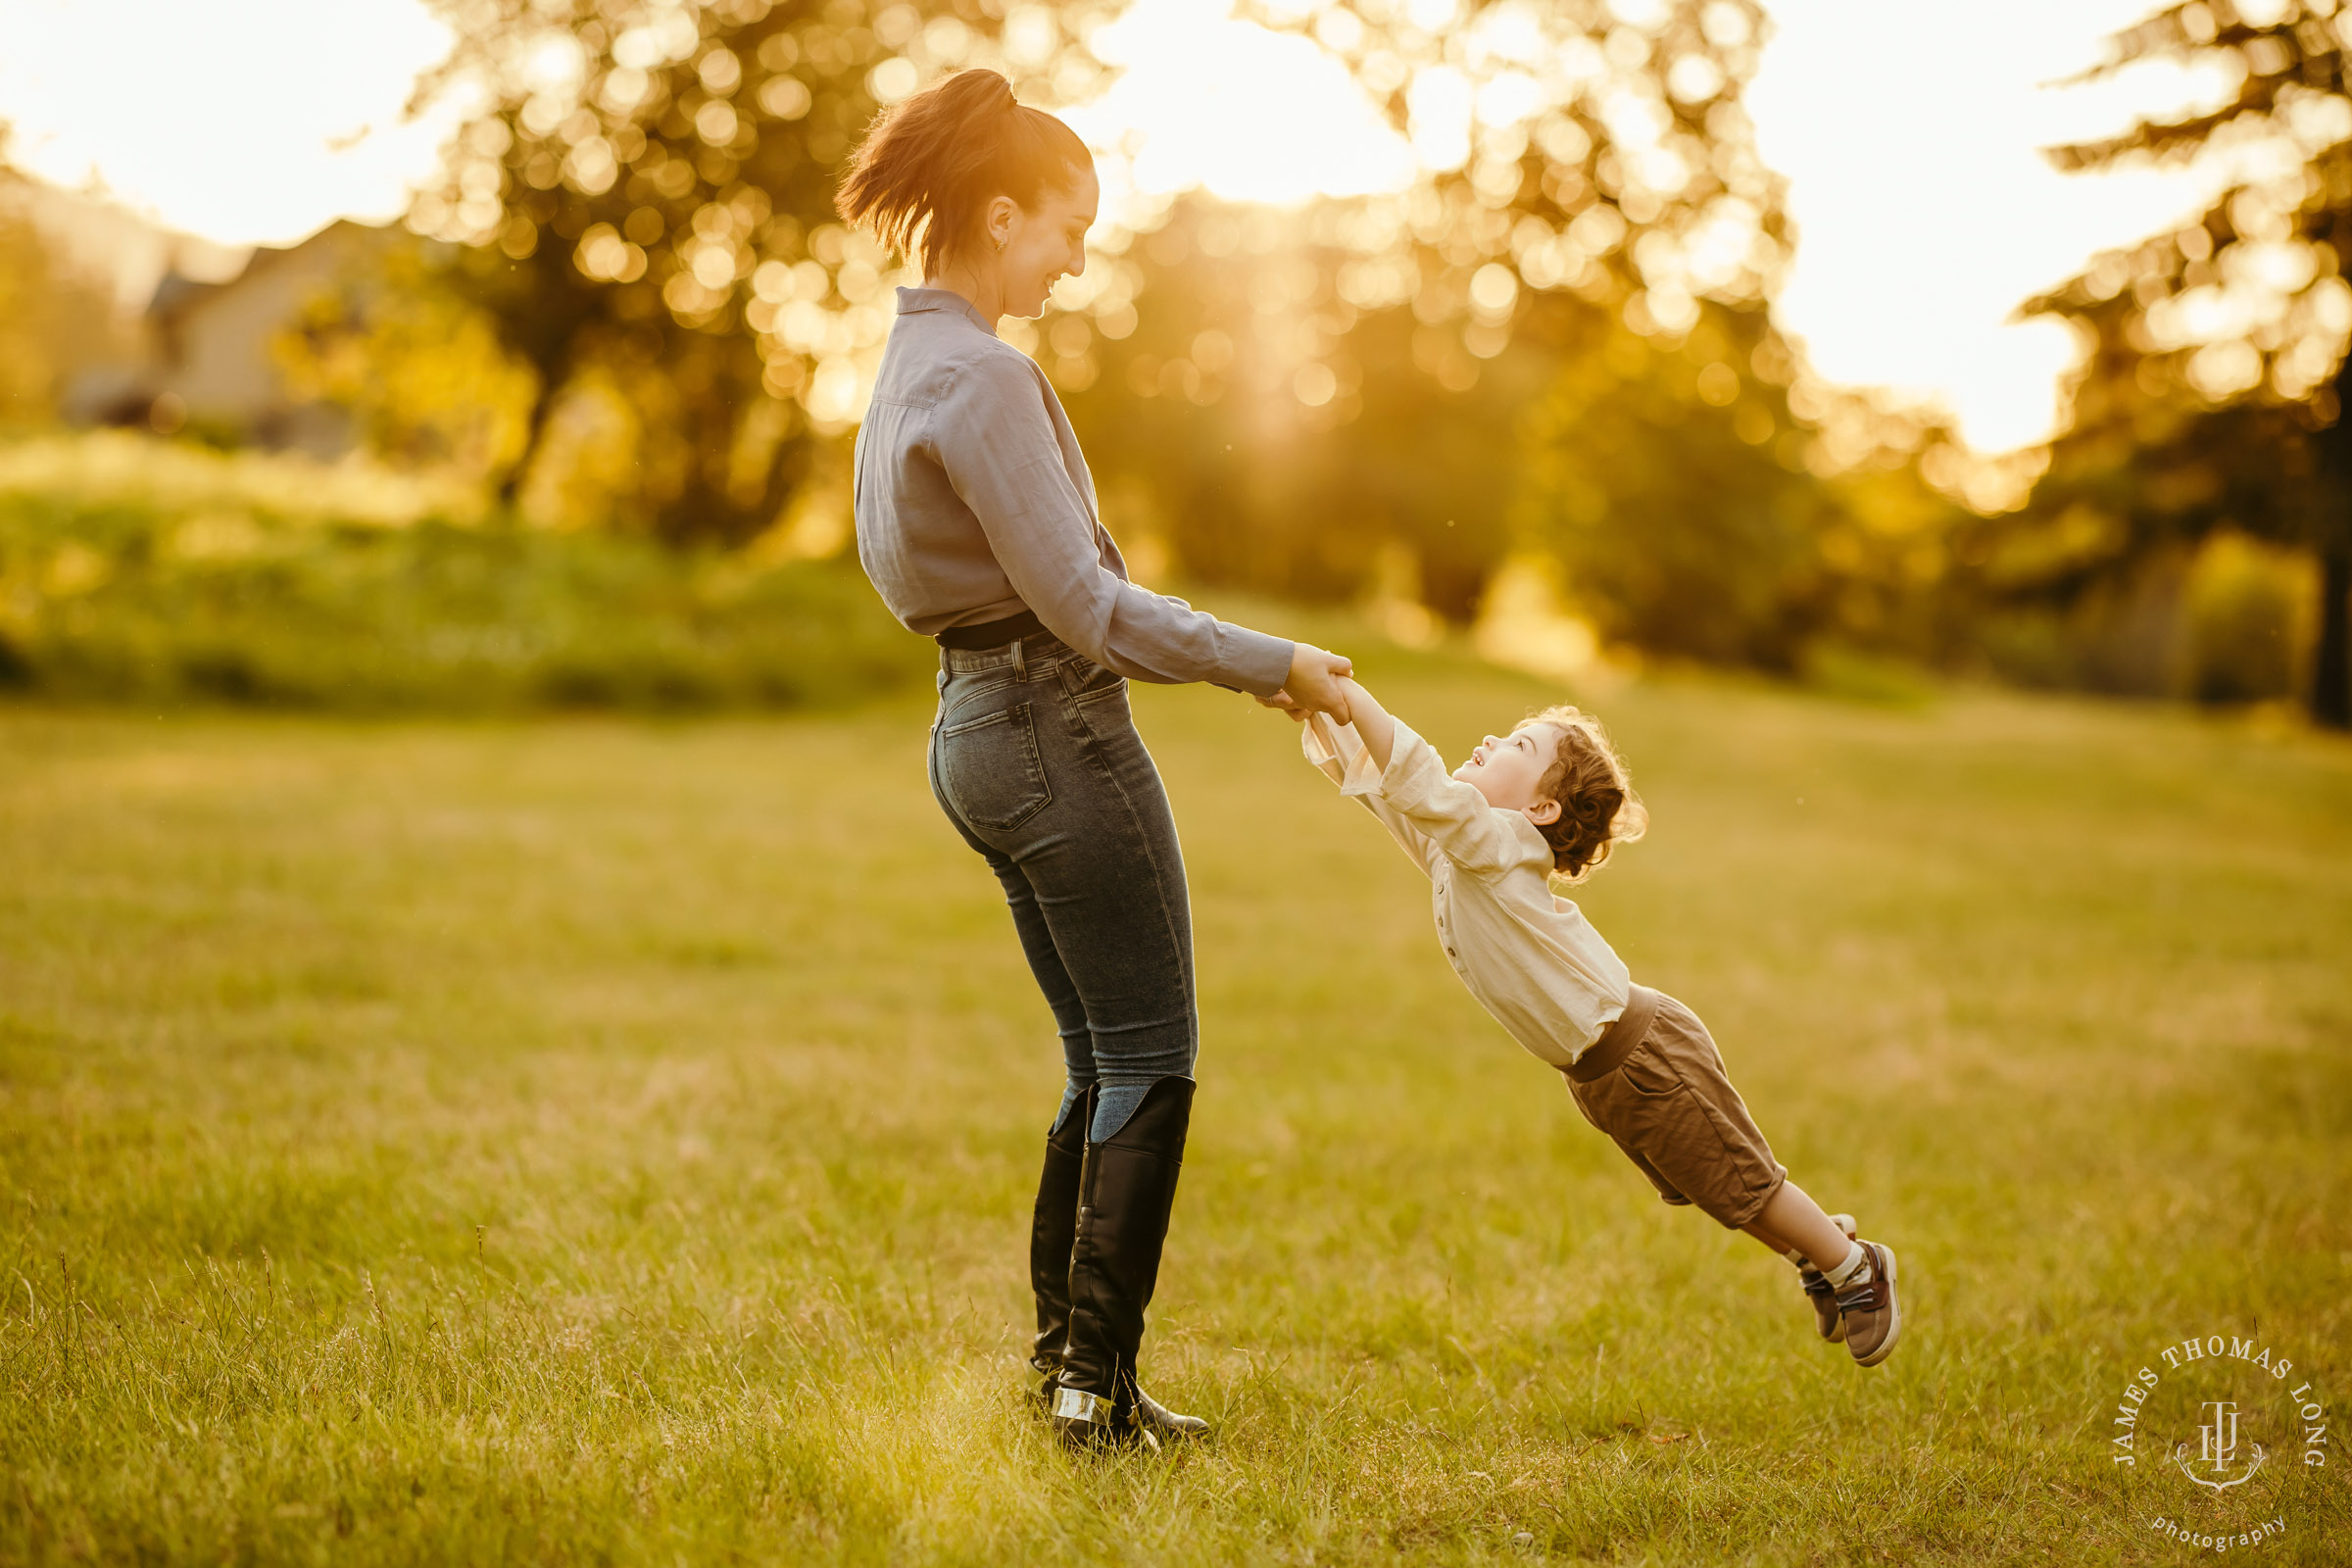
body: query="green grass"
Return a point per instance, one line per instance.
(608, 1142)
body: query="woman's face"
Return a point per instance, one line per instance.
(1044, 245)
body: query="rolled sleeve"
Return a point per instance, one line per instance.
(991, 434)
(1339, 753)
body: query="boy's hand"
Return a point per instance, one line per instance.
(1313, 685)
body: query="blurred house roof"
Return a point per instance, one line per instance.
(211, 356)
(92, 234)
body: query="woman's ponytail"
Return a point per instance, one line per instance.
(926, 169)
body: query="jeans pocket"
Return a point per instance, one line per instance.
(991, 771)
(1086, 681)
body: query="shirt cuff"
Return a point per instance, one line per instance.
(1414, 769)
(1339, 752)
(1255, 663)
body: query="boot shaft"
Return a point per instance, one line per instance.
(1127, 1193)
(1054, 1231)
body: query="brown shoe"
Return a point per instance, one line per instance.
(1874, 1320)
(1827, 1319)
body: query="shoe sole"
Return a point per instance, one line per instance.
(1894, 1304)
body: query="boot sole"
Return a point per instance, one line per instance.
(1088, 1436)
(1894, 1304)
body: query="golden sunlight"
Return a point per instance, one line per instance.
(1909, 137)
(1204, 98)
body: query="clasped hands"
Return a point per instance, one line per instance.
(1313, 685)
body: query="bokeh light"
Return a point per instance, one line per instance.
(1203, 95)
(259, 120)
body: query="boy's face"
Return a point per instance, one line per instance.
(1508, 770)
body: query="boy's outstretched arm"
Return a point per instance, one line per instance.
(1354, 758)
(1373, 723)
(1427, 811)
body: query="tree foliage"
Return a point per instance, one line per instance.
(1552, 339)
(2214, 393)
(647, 202)
(52, 316)
(424, 376)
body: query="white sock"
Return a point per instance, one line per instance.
(1855, 1257)
(1797, 1257)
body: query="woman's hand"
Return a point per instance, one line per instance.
(1313, 686)
(1281, 703)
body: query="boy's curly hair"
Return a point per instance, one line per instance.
(1599, 809)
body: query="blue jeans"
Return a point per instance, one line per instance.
(1035, 759)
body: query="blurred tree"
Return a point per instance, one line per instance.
(28, 366)
(51, 316)
(1655, 481)
(1272, 435)
(421, 369)
(2215, 390)
(647, 202)
(1553, 338)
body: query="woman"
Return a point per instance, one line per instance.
(976, 522)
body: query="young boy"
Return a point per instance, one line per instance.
(1549, 800)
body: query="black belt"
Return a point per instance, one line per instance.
(992, 633)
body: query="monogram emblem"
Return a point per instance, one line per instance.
(2217, 1449)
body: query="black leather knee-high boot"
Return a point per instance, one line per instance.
(1126, 1193)
(1053, 1233)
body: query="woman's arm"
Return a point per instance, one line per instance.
(993, 436)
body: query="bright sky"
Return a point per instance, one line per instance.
(1908, 134)
(1211, 98)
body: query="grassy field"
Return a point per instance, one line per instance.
(608, 1141)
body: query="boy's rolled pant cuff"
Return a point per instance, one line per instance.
(1751, 1208)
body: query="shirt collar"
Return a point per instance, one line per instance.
(915, 300)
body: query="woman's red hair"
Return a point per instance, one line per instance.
(927, 168)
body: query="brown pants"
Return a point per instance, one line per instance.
(1656, 1084)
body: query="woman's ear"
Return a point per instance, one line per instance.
(1002, 212)
(1544, 812)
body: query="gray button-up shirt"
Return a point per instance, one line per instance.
(974, 504)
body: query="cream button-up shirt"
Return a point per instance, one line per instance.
(1527, 954)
